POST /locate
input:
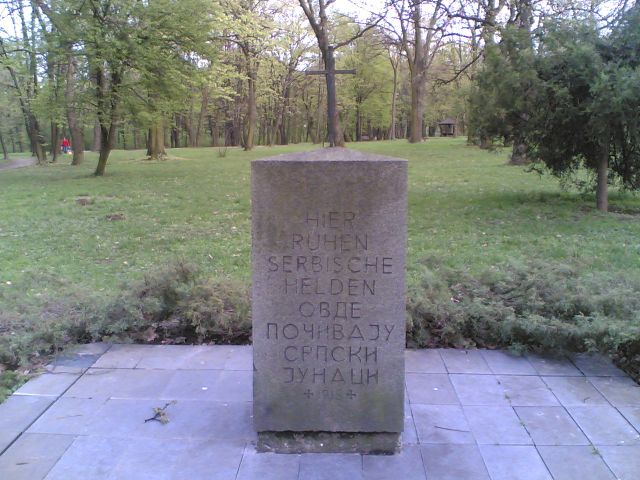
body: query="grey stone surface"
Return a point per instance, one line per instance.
(632, 414)
(52, 384)
(331, 466)
(17, 413)
(91, 458)
(123, 356)
(551, 426)
(120, 383)
(406, 465)
(268, 466)
(620, 391)
(431, 388)
(479, 390)
(453, 462)
(575, 391)
(424, 361)
(180, 459)
(193, 385)
(68, 416)
(550, 366)
(107, 437)
(496, 426)
(329, 240)
(464, 361)
(585, 463)
(596, 365)
(32, 456)
(604, 425)
(527, 391)
(442, 424)
(508, 462)
(623, 461)
(505, 363)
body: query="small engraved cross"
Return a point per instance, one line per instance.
(350, 394)
(308, 393)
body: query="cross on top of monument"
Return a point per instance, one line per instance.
(330, 73)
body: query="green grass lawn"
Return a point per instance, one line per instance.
(466, 208)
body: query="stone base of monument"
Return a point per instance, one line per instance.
(369, 443)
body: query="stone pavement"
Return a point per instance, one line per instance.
(469, 415)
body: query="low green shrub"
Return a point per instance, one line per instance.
(539, 306)
(176, 304)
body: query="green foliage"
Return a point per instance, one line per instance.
(177, 304)
(10, 381)
(540, 306)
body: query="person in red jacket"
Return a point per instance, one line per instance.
(65, 145)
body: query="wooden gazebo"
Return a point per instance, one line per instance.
(448, 127)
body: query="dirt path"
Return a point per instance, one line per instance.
(18, 163)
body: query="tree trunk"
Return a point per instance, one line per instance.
(106, 144)
(75, 128)
(156, 150)
(55, 142)
(5, 153)
(252, 110)
(519, 153)
(602, 191)
(392, 127)
(417, 109)
(97, 137)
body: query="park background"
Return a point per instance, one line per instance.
(142, 233)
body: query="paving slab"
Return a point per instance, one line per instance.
(454, 462)
(33, 455)
(549, 366)
(619, 391)
(49, 384)
(431, 388)
(17, 413)
(596, 365)
(508, 462)
(604, 425)
(623, 461)
(331, 466)
(464, 361)
(407, 465)
(123, 356)
(120, 383)
(632, 414)
(506, 363)
(585, 463)
(70, 416)
(575, 391)
(442, 424)
(424, 361)
(174, 459)
(479, 390)
(268, 466)
(551, 426)
(89, 458)
(496, 426)
(526, 391)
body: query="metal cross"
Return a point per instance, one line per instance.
(330, 74)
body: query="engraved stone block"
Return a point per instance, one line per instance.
(329, 240)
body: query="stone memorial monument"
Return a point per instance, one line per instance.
(328, 258)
